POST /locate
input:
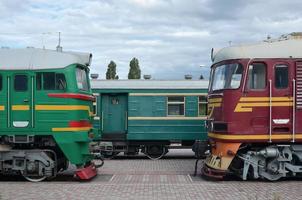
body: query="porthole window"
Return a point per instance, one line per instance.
(281, 76)
(20, 83)
(176, 106)
(202, 105)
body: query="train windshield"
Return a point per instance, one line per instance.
(226, 76)
(82, 80)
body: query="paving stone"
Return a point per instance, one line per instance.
(142, 179)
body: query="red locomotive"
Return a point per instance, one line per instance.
(255, 110)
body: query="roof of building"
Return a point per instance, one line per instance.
(34, 58)
(283, 48)
(149, 84)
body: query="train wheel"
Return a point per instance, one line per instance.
(155, 152)
(108, 155)
(34, 178)
(31, 172)
(40, 165)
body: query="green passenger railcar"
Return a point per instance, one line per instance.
(149, 115)
(45, 113)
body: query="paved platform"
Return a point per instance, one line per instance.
(140, 178)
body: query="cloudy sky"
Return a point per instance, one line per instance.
(169, 37)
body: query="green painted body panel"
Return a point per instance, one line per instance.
(166, 130)
(154, 106)
(74, 144)
(147, 106)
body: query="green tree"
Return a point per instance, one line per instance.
(134, 71)
(111, 71)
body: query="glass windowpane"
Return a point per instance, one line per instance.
(20, 83)
(257, 76)
(281, 76)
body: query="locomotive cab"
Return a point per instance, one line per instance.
(254, 107)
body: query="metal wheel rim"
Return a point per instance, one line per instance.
(156, 158)
(35, 180)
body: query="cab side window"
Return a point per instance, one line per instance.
(20, 83)
(257, 76)
(281, 76)
(50, 81)
(0, 82)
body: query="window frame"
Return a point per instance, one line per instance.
(288, 75)
(87, 79)
(221, 65)
(14, 81)
(176, 103)
(95, 106)
(202, 102)
(42, 81)
(248, 76)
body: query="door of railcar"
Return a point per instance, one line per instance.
(114, 115)
(20, 101)
(282, 97)
(256, 99)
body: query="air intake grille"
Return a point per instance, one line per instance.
(299, 85)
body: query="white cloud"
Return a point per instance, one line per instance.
(169, 37)
(145, 3)
(191, 34)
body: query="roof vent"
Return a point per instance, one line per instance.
(188, 76)
(147, 76)
(94, 76)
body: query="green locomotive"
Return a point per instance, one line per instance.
(45, 113)
(150, 116)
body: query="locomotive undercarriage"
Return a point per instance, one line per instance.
(35, 158)
(152, 149)
(271, 163)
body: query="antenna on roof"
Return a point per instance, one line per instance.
(59, 48)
